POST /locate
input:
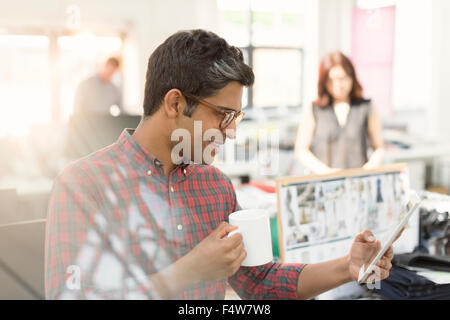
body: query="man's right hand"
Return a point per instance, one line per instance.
(218, 256)
(215, 257)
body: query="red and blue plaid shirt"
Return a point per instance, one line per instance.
(114, 218)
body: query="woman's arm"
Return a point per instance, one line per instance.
(374, 130)
(303, 144)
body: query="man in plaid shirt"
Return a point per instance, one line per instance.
(142, 218)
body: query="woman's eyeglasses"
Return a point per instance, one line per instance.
(228, 114)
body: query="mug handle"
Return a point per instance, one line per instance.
(233, 232)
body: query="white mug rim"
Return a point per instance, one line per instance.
(240, 216)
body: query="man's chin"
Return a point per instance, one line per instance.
(208, 160)
(209, 154)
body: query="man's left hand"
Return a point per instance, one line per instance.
(364, 249)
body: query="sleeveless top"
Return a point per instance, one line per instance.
(341, 147)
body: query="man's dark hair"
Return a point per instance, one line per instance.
(113, 61)
(196, 62)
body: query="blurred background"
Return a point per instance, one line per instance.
(400, 49)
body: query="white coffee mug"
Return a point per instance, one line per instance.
(254, 226)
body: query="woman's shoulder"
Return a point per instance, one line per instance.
(316, 107)
(362, 102)
(363, 105)
(316, 110)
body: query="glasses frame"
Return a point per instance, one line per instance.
(229, 115)
(347, 78)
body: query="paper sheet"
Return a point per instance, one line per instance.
(437, 277)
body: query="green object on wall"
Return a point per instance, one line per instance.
(274, 232)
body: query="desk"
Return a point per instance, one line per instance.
(417, 153)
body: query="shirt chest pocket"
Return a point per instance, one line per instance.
(201, 216)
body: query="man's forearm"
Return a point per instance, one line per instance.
(321, 277)
(174, 279)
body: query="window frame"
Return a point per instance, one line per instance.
(250, 49)
(53, 56)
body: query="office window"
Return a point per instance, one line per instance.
(24, 83)
(40, 74)
(278, 73)
(271, 34)
(81, 56)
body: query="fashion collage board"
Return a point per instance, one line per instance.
(319, 218)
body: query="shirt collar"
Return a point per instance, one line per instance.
(141, 157)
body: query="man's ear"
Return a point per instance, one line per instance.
(173, 103)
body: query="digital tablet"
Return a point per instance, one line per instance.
(412, 203)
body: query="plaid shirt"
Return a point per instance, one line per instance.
(114, 218)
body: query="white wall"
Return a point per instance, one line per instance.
(329, 28)
(311, 65)
(335, 26)
(421, 68)
(413, 52)
(441, 68)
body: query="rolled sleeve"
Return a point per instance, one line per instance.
(270, 281)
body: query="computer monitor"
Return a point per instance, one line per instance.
(22, 260)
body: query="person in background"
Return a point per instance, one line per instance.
(97, 94)
(335, 130)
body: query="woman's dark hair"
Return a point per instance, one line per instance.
(324, 98)
(196, 62)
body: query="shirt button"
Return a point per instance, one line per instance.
(149, 172)
(171, 189)
(185, 172)
(179, 227)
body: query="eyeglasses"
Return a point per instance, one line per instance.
(340, 79)
(228, 114)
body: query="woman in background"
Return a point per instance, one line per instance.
(335, 130)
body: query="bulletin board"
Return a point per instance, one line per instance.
(319, 215)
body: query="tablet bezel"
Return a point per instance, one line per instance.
(363, 275)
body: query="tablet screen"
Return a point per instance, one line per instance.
(412, 203)
(406, 211)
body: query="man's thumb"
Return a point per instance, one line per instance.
(223, 229)
(366, 236)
